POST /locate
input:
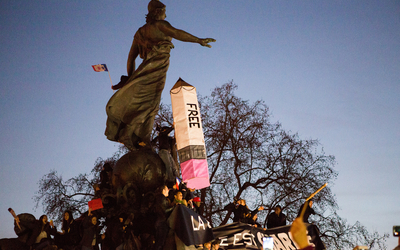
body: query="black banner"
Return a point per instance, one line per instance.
(191, 228)
(245, 236)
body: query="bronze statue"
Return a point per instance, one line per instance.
(132, 109)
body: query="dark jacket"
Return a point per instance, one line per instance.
(90, 231)
(307, 213)
(275, 220)
(240, 213)
(71, 234)
(196, 209)
(244, 214)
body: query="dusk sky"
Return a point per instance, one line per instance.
(328, 70)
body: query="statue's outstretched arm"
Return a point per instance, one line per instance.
(182, 35)
(133, 53)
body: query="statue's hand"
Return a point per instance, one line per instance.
(205, 41)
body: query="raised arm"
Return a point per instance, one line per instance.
(182, 35)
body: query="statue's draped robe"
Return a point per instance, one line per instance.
(132, 109)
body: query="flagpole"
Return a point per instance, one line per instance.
(308, 200)
(110, 78)
(311, 196)
(100, 68)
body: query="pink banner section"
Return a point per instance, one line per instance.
(195, 173)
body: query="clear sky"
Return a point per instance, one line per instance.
(329, 70)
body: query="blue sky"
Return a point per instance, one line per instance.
(329, 70)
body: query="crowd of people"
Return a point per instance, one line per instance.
(169, 198)
(84, 232)
(241, 213)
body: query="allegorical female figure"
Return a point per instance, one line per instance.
(132, 109)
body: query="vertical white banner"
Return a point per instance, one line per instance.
(186, 112)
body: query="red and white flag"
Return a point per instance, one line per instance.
(100, 67)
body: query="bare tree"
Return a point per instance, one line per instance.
(249, 157)
(253, 158)
(57, 195)
(338, 234)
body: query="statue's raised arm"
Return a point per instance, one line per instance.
(182, 35)
(131, 110)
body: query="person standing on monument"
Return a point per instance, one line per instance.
(91, 233)
(309, 211)
(162, 211)
(167, 152)
(70, 232)
(178, 199)
(197, 205)
(132, 109)
(277, 218)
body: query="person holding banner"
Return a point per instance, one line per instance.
(167, 151)
(243, 214)
(253, 221)
(298, 228)
(91, 233)
(309, 211)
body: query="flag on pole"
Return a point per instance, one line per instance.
(100, 67)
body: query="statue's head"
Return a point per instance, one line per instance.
(155, 4)
(156, 10)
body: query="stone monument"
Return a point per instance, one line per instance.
(130, 119)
